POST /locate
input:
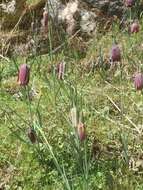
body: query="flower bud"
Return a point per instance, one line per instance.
(23, 75)
(44, 21)
(129, 3)
(138, 81)
(73, 116)
(134, 28)
(32, 135)
(81, 131)
(115, 53)
(45, 18)
(32, 27)
(61, 70)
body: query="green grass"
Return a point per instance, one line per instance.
(108, 104)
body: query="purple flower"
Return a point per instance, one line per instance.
(44, 21)
(115, 54)
(45, 18)
(32, 135)
(61, 70)
(129, 3)
(138, 81)
(81, 131)
(134, 28)
(23, 75)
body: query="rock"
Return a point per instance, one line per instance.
(87, 22)
(109, 7)
(72, 16)
(11, 11)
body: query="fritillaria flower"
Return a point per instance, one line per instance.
(73, 116)
(44, 21)
(138, 81)
(61, 70)
(23, 75)
(81, 131)
(32, 27)
(32, 135)
(115, 54)
(129, 3)
(134, 28)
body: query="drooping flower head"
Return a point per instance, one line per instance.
(32, 135)
(115, 54)
(134, 28)
(129, 3)
(138, 81)
(44, 21)
(23, 75)
(61, 70)
(81, 131)
(73, 116)
(45, 18)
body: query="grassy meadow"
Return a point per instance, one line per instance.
(100, 95)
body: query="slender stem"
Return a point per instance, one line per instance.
(55, 160)
(29, 104)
